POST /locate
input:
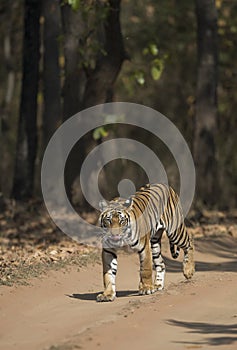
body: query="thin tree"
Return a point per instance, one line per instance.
(27, 129)
(51, 69)
(205, 127)
(73, 27)
(9, 62)
(99, 86)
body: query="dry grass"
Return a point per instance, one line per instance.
(31, 245)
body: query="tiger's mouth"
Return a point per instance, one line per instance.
(116, 240)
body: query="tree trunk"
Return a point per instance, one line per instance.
(73, 32)
(51, 70)
(8, 98)
(27, 130)
(99, 86)
(205, 128)
(98, 89)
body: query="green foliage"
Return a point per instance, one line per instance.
(93, 14)
(156, 64)
(99, 133)
(157, 67)
(75, 4)
(151, 49)
(139, 77)
(155, 73)
(161, 41)
(109, 120)
(153, 66)
(160, 38)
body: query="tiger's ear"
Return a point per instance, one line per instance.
(128, 202)
(103, 204)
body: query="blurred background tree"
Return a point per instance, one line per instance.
(206, 108)
(58, 57)
(26, 144)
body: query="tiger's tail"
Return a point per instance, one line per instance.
(174, 253)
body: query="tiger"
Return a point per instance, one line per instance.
(139, 222)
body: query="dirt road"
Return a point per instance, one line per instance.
(59, 312)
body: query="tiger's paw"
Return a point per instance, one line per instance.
(159, 286)
(103, 297)
(146, 289)
(160, 280)
(188, 270)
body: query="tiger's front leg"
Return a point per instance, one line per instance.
(109, 259)
(146, 284)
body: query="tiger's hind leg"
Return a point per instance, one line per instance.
(182, 239)
(188, 262)
(158, 261)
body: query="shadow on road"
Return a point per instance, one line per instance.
(92, 296)
(225, 334)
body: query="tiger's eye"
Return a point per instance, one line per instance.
(123, 221)
(107, 222)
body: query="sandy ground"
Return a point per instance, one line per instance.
(59, 311)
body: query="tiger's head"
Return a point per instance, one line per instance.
(115, 221)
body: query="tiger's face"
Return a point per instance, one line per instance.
(116, 223)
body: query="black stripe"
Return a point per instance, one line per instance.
(109, 252)
(140, 251)
(154, 243)
(154, 240)
(184, 243)
(135, 202)
(150, 198)
(134, 244)
(173, 237)
(149, 206)
(141, 201)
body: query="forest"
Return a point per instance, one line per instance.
(60, 57)
(63, 58)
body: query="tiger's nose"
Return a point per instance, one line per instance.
(116, 231)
